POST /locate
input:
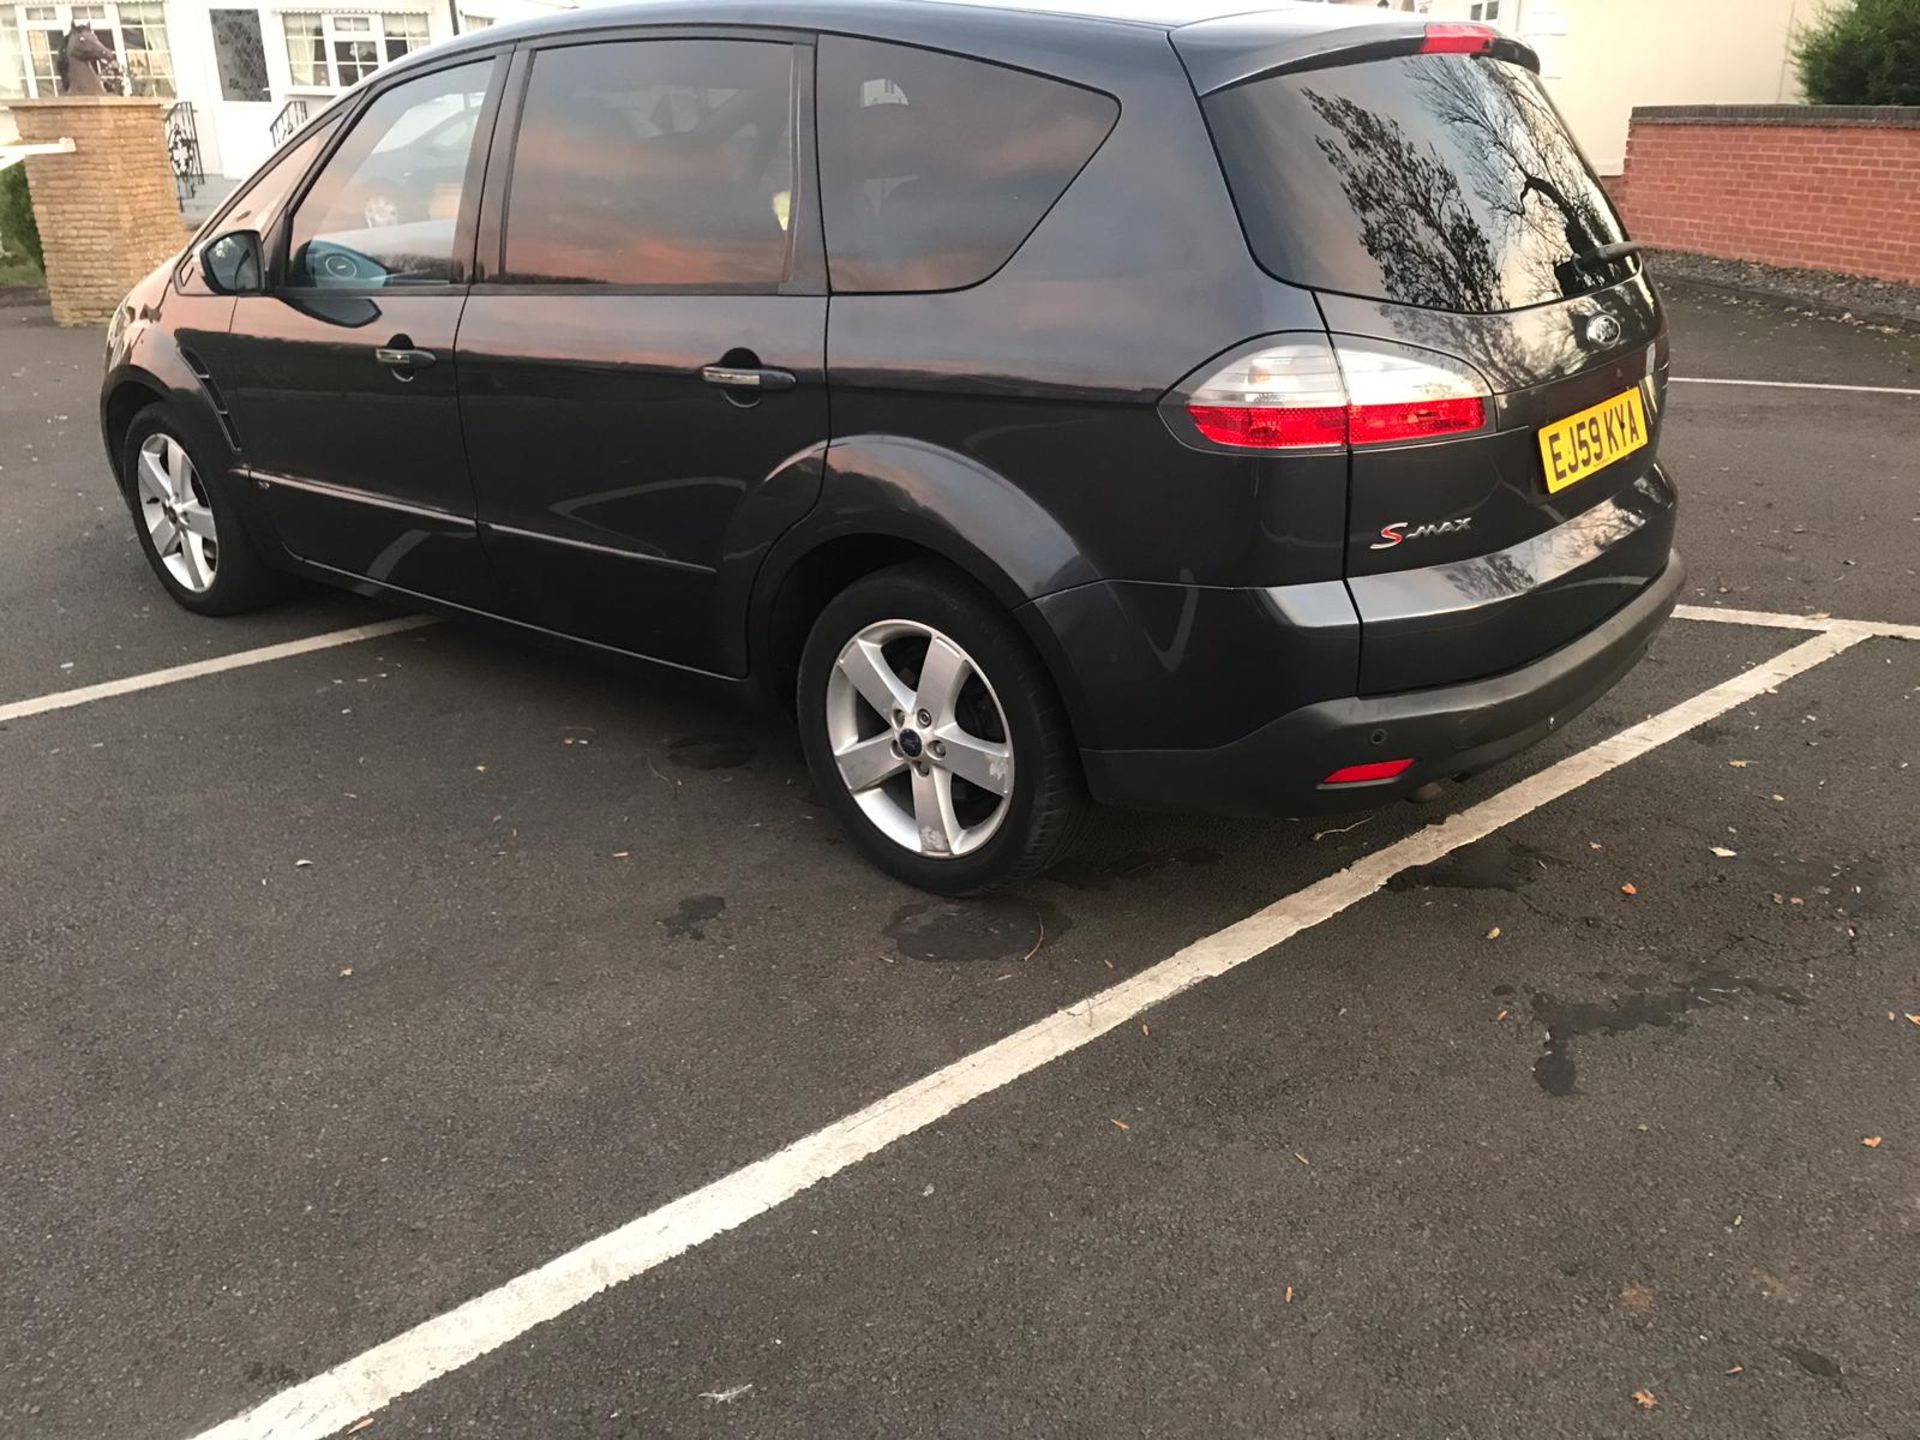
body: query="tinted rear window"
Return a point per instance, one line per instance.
(934, 168)
(1445, 181)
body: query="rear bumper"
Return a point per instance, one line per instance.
(1451, 731)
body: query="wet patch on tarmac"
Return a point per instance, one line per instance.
(724, 751)
(695, 912)
(1496, 863)
(1644, 1005)
(1090, 874)
(975, 932)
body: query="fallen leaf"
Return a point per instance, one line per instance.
(1872, 1142)
(1723, 852)
(1122, 1125)
(1494, 933)
(1644, 1399)
(1629, 889)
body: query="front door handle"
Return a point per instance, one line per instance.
(742, 377)
(404, 359)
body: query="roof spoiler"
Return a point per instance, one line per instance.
(1237, 48)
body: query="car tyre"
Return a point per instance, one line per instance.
(189, 524)
(935, 735)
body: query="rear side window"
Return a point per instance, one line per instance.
(935, 168)
(655, 162)
(1445, 181)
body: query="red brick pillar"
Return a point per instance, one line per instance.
(108, 213)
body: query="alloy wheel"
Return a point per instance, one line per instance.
(381, 211)
(174, 508)
(920, 739)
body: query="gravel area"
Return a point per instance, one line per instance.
(1879, 303)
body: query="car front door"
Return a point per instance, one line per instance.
(343, 383)
(642, 357)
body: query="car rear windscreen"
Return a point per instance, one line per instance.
(1446, 181)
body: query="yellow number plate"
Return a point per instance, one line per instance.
(1575, 447)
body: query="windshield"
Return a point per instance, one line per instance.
(1446, 181)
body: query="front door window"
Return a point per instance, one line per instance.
(382, 212)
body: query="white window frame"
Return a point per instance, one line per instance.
(390, 33)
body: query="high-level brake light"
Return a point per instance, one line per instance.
(1312, 392)
(1454, 37)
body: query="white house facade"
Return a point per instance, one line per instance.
(241, 76)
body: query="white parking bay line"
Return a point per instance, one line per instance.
(1778, 620)
(357, 1387)
(194, 670)
(1796, 385)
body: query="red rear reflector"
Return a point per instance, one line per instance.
(1452, 37)
(1361, 774)
(1271, 427)
(1415, 419)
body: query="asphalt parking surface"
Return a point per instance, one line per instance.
(566, 947)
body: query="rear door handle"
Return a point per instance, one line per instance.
(736, 377)
(404, 359)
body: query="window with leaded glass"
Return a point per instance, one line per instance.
(241, 55)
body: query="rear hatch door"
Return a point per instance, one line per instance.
(1419, 181)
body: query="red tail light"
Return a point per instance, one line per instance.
(1312, 392)
(1415, 420)
(1366, 774)
(1255, 428)
(1453, 37)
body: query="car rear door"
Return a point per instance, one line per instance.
(642, 360)
(342, 375)
(1419, 180)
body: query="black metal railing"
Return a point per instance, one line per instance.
(287, 123)
(183, 150)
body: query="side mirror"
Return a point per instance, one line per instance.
(233, 263)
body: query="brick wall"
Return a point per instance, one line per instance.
(1824, 187)
(108, 212)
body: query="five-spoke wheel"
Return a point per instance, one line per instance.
(175, 510)
(919, 738)
(934, 732)
(188, 524)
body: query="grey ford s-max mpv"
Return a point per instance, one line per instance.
(1108, 402)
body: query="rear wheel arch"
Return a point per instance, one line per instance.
(789, 603)
(886, 500)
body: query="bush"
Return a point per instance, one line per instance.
(17, 230)
(1862, 52)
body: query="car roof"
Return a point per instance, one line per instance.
(1289, 18)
